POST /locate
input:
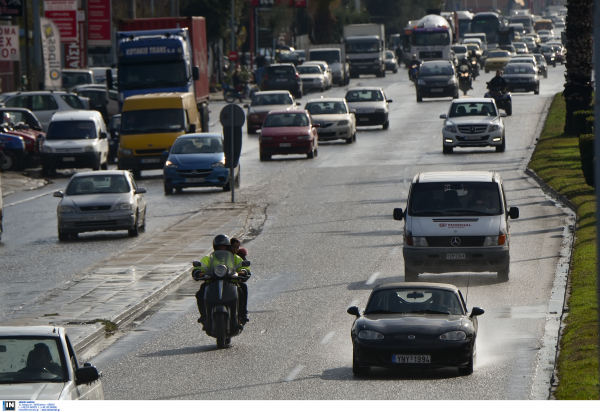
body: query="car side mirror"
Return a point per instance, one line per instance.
(195, 73)
(192, 128)
(353, 111)
(502, 114)
(477, 311)
(87, 374)
(139, 191)
(245, 263)
(165, 153)
(246, 106)
(353, 310)
(442, 116)
(398, 214)
(58, 193)
(317, 125)
(389, 101)
(514, 213)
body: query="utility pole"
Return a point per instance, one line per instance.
(37, 45)
(232, 23)
(597, 156)
(131, 9)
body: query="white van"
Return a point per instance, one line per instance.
(76, 139)
(455, 222)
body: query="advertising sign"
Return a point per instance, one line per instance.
(99, 27)
(9, 43)
(75, 51)
(64, 14)
(11, 8)
(51, 53)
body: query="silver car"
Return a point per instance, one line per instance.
(312, 77)
(371, 106)
(335, 119)
(326, 71)
(103, 200)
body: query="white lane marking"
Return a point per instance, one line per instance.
(294, 373)
(327, 338)
(28, 199)
(393, 251)
(373, 278)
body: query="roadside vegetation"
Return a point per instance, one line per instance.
(557, 161)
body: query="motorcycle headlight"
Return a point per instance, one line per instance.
(455, 335)
(126, 152)
(220, 270)
(343, 122)
(369, 334)
(494, 126)
(46, 149)
(124, 206)
(450, 128)
(66, 209)
(170, 165)
(219, 164)
(421, 82)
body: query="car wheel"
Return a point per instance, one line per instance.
(395, 71)
(554, 64)
(354, 137)
(456, 95)
(503, 274)
(386, 125)
(502, 146)
(10, 161)
(508, 109)
(467, 370)
(264, 157)
(62, 236)
(383, 73)
(537, 90)
(349, 140)
(229, 97)
(322, 89)
(447, 149)
(143, 226)
(410, 275)
(546, 74)
(168, 189)
(135, 231)
(358, 370)
(227, 187)
(104, 166)
(419, 98)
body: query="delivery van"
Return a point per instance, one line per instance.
(456, 222)
(150, 123)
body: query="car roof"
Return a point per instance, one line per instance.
(358, 89)
(273, 92)
(456, 175)
(473, 100)
(420, 285)
(101, 173)
(328, 99)
(197, 135)
(315, 62)
(295, 111)
(15, 109)
(41, 330)
(76, 115)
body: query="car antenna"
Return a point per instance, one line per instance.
(467, 298)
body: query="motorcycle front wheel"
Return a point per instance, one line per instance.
(229, 97)
(220, 327)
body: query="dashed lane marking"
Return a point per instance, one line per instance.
(293, 374)
(327, 338)
(373, 278)
(29, 198)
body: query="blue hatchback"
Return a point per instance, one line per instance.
(197, 160)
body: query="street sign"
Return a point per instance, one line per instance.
(9, 43)
(233, 56)
(232, 118)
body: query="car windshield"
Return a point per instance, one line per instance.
(281, 70)
(455, 199)
(472, 109)
(89, 185)
(31, 359)
(70, 79)
(459, 49)
(556, 48)
(316, 108)
(435, 70)
(414, 300)
(271, 99)
(362, 46)
(473, 46)
(519, 69)
(364, 96)
(502, 54)
(519, 45)
(195, 145)
(152, 121)
(286, 120)
(152, 75)
(309, 70)
(71, 130)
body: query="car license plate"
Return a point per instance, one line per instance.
(519, 90)
(472, 138)
(362, 67)
(453, 256)
(194, 180)
(411, 358)
(150, 160)
(363, 119)
(96, 217)
(285, 145)
(437, 90)
(68, 159)
(281, 80)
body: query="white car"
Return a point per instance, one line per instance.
(336, 120)
(39, 363)
(43, 104)
(371, 105)
(326, 71)
(473, 123)
(525, 58)
(312, 77)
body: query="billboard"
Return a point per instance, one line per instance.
(52, 56)
(12, 8)
(64, 14)
(9, 43)
(99, 23)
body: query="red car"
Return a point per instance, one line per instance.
(288, 132)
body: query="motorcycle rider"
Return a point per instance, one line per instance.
(413, 61)
(465, 61)
(221, 242)
(497, 81)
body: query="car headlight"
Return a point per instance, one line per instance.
(452, 80)
(126, 152)
(66, 209)
(455, 335)
(89, 148)
(379, 110)
(219, 164)
(420, 241)
(450, 128)
(305, 137)
(495, 240)
(170, 165)
(421, 82)
(220, 270)
(369, 334)
(343, 122)
(46, 149)
(253, 116)
(494, 126)
(124, 206)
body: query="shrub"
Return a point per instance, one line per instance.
(579, 121)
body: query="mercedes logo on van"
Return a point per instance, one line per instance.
(194, 172)
(472, 129)
(455, 241)
(411, 336)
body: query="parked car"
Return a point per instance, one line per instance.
(371, 106)
(282, 77)
(414, 326)
(13, 155)
(287, 132)
(521, 77)
(198, 160)
(263, 103)
(436, 78)
(326, 71)
(104, 200)
(39, 363)
(76, 77)
(391, 63)
(43, 103)
(336, 120)
(312, 78)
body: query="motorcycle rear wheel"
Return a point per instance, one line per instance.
(229, 97)
(219, 322)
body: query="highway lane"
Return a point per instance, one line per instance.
(328, 239)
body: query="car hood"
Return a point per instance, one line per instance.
(285, 131)
(99, 199)
(32, 391)
(424, 324)
(198, 160)
(497, 59)
(459, 121)
(461, 225)
(328, 118)
(267, 109)
(366, 107)
(69, 143)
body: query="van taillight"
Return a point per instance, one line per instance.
(409, 240)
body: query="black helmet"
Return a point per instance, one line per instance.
(221, 240)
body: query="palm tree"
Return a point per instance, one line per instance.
(579, 31)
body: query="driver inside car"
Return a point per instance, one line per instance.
(40, 358)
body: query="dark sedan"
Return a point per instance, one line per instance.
(414, 325)
(283, 77)
(521, 77)
(437, 78)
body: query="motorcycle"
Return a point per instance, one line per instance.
(230, 94)
(221, 297)
(502, 97)
(475, 67)
(13, 155)
(413, 71)
(464, 78)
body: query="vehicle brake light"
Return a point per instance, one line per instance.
(501, 239)
(409, 240)
(297, 76)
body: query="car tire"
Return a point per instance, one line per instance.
(503, 274)
(410, 275)
(456, 95)
(502, 146)
(10, 161)
(508, 109)
(386, 125)
(546, 74)
(62, 236)
(383, 73)
(168, 189)
(354, 137)
(264, 157)
(419, 98)
(467, 370)
(447, 149)
(227, 187)
(135, 231)
(229, 97)
(104, 166)
(395, 71)
(554, 64)
(537, 91)
(358, 370)
(349, 140)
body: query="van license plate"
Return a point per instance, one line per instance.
(68, 159)
(194, 180)
(363, 119)
(437, 90)
(453, 256)
(150, 160)
(285, 145)
(519, 90)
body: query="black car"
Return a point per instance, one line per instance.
(548, 52)
(521, 77)
(414, 325)
(282, 77)
(437, 78)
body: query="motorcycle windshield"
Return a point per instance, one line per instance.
(222, 257)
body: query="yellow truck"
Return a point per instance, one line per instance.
(150, 123)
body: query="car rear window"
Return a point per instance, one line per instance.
(519, 69)
(72, 101)
(436, 70)
(281, 70)
(364, 96)
(315, 108)
(272, 99)
(309, 70)
(286, 120)
(455, 199)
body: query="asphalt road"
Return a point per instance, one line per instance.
(329, 237)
